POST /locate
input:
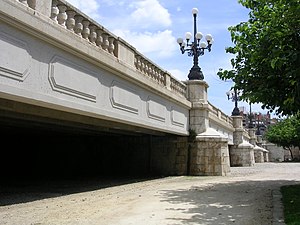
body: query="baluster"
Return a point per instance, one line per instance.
(54, 10)
(150, 70)
(157, 75)
(146, 68)
(78, 25)
(162, 79)
(138, 62)
(105, 42)
(24, 2)
(62, 16)
(93, 34)
(143, 66)
(111, 45)
(70, 23)
(99, 40)
(159, 80)
(86, 30)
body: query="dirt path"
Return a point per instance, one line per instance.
(244, 198)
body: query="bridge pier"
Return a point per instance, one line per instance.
(260, 154)
(209, 153)
(241, 153)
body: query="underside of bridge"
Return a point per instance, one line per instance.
(43, 144)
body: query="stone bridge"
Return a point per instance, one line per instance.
(76, 99)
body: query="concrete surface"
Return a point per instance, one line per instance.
(248, 196)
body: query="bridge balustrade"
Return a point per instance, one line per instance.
(77, 22)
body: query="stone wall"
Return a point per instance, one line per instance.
(209, 156)
(276, 153)
(169, 155)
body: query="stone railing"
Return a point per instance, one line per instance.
(149, 69)
(178, 87)
(219, 114)
(246, 135)
(72, 19)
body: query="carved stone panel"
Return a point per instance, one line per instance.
(156, 110)
(72, 79)
(124, 97)
(15, 57)
(178, 118)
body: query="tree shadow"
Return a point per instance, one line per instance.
(224, 203)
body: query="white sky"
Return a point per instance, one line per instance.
(153, 26)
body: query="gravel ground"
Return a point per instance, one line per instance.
(244, 197)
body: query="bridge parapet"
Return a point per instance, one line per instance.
(149, 69)
(72, 19)
(177, 87)
(219, 114)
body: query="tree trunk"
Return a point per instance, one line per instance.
(291, 152)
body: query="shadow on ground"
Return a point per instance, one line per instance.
(22, 191)
(225, 203)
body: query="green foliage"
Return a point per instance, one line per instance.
(291, 204)
(285, 133)
(266, 67)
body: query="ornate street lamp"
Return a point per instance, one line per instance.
(234, 97)
(195, 48)
(251, 125)
(258, 125)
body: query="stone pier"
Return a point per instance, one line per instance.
(209, 154)
(264, 154)
(241, 153)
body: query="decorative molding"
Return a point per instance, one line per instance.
(178, 118)
(72, 79)
(123, 97)
(155, 109)
(15, 57)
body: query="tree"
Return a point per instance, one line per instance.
(266, 66)
(285, 133)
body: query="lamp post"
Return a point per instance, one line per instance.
(258, 125)
(250, 118)
(195, 48)
(234, 97)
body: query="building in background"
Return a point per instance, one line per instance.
(259, 121)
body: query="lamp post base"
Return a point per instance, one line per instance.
(235, 112)
(195, 73)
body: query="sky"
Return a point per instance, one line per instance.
(153, 26)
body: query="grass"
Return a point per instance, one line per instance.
(291, 204)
